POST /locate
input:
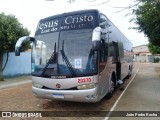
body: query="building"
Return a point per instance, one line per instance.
(142, 54)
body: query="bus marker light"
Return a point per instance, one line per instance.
(37, 85)
(87, 86)
(91, 96)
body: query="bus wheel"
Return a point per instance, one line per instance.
(113, 86)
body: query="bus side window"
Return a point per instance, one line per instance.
(113, 51)
(103, 53)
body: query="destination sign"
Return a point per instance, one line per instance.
(81, 21)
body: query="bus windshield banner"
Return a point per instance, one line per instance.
(71, 22)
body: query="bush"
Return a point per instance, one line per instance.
(156, 60)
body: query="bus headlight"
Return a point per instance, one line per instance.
(37, 85)
(87, 86)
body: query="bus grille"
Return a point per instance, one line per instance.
(44, 87)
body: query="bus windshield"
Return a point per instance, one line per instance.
(42, 52)
(77, 45)
(65, 53)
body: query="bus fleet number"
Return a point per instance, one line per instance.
(83, 80)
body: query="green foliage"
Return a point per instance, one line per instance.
(156, 60)
(154, 49)
(147, 18)
(10, 31)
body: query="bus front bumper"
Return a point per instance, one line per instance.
(89, 95)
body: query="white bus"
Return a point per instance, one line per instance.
(78, 56)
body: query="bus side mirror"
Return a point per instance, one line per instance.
(19, 43)
(96, 38)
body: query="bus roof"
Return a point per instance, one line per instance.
(71, 13)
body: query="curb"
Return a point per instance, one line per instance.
(14, 84)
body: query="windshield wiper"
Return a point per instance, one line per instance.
(65, 58)
(52, 59)
(89, 58)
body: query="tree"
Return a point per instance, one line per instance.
(154, 49)
(147, 18)
(10, 31)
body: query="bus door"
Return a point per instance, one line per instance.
(116, 59)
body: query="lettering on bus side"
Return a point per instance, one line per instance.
(48, 26)
(80, 21)
(84, 80)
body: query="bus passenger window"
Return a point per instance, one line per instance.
(113, 51)
(102, 51)
(103, 55)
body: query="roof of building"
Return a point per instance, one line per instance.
(140, 46)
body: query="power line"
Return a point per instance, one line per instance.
(117, 6)
(69, 1)
(91, 0)
(100, 3)
(122, 8)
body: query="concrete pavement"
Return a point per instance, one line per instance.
(11, 82)
(143, 94)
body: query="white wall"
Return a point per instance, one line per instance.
(17, 65)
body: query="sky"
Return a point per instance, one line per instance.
(29, 12)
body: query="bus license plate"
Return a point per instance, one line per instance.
(58, 96)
